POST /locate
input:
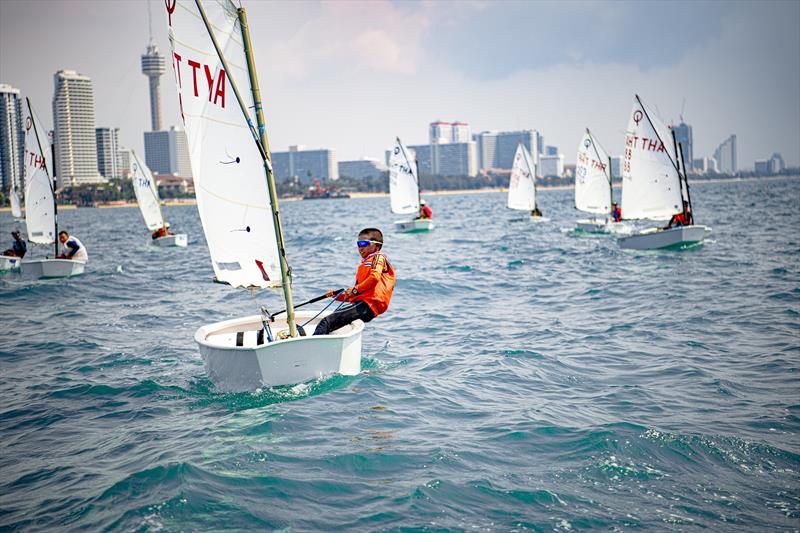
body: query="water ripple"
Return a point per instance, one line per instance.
(525, 377)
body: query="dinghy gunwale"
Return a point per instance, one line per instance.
(234, 325)
(282, 362)
(75, 270)
(608, 227)
(178, 239)
(420, 225)
(624, 242)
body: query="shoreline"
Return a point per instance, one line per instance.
(362, 195)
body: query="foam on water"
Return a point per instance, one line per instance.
(525, 377)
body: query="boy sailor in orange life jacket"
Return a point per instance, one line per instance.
(371, 294)
(683, 218)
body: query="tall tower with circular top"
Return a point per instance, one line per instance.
(153, 68)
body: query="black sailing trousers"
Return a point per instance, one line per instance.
(346, 315)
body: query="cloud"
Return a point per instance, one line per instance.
(493, 43)
(340, 38)
(378, 51)
(352, 75)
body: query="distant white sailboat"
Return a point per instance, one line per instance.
(41, 209)
(522, 185)
(593, 188)
(404, 190)
(653, 186)
(144, 186)
(16, 204)
(238, 205)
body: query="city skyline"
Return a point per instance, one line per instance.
(352, 76)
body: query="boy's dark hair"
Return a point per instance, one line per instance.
(372, 234)
(62, 232)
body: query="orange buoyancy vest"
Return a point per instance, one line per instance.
(375, 282)
(682, 219)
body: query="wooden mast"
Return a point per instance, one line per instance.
(286, 280)
(263, 149)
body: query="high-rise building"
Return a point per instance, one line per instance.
(124, 162)
(459, 132)
(776, 164)
(153, 67)
(704, 165)
(12, 140)
(282, 165)
(307, 165)
(424, 156)
(440, 132)
(700, 165)
(167, 152)
(725, 155)
(74, 125)
(769, 167)
(455, 159)
(683, 135)
(496, 150)
(108, 158)
(448, 132)
(761, 167)
(551, 165)
(485, 146)
(362, 168)
(506, 147)
(550, 150)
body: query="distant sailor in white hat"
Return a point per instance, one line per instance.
(425, 211)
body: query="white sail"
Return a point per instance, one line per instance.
(16, 206)
(403, 181)
(144, 186)
(592, 177)
(522, 185)
(40, 216)
(650, 184)
(229, 177)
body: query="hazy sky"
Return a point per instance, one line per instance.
(353, 75)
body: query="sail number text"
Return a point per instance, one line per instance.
(214, 80)
(633, 142)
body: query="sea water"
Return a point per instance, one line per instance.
(525, 377)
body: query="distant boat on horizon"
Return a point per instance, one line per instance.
(522, 185)
(593, 187)
(144, 187)
(404, 197)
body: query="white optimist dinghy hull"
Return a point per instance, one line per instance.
(52, 268)
(9, 263)
(414, 226)
(656, 238)
(179, 239)
(601, 226)
(249, 366)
